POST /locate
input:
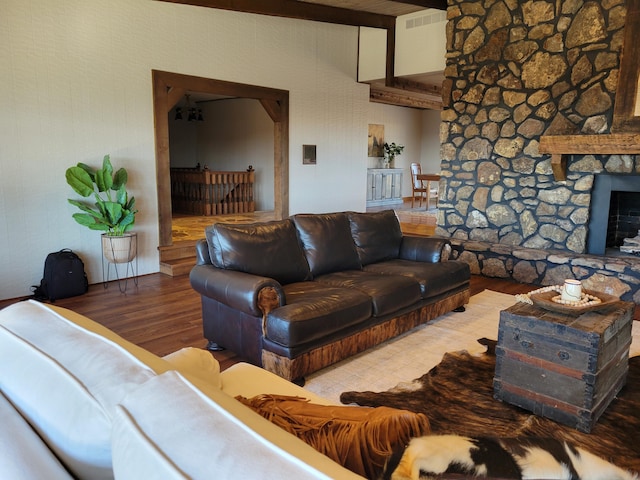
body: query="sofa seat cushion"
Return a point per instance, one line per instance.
(23, 454)
(327, 242)
(389, 293)
(268, 249)
(434, 278)
(314, 311)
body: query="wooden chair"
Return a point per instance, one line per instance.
(417, 186)
(421, 184)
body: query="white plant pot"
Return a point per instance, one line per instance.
(120, 249)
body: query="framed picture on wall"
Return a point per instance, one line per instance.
(376, 141)
(308, 154)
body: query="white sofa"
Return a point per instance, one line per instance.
(78, 401)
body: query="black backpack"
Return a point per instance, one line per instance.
(64, 277)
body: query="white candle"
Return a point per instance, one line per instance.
(571, 290)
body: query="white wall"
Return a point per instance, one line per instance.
(76, 84)
(183, 142)
(430, 141)
(427, 27)
(235, 133)
(372, 54)
(417, 130)
(421, 28)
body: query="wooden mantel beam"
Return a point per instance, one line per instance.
(299, 10)
(615, 143)
(606, 144)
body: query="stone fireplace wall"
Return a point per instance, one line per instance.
(515, 71)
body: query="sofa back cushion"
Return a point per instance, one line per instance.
(190, 434)
(66, 381)
(377, 235)
(268, 249)
(23, 454)
(327, 242)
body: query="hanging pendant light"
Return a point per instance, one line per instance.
(192, 113)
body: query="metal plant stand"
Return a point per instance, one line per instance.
(114, 256)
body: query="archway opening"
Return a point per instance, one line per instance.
(169, 88)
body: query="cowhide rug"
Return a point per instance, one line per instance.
(457, 396)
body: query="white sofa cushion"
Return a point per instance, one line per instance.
(22, 453)
(195, 362)
(66, 381)
(248, 380)
(169, 429)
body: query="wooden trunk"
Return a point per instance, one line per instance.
(564, 367)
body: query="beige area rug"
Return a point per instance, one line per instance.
(410, 355)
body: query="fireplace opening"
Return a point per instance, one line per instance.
(614, 213)
(624, 218)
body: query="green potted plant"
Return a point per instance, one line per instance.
(112, 212)
(391, 151)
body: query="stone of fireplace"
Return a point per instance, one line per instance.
(517, 71)
(615, 275)
(513, 74)
(631, 245)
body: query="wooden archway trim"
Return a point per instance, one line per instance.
(169, 87)
(625, 116)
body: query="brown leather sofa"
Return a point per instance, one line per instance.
(296, 295)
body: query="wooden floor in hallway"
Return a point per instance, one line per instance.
(416, 221)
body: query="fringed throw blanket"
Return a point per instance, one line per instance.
(457, 396)
(360, 439)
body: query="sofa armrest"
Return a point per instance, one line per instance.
(425, 249)
(251, 294)
(202, 253)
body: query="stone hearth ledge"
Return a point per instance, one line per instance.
(619, 276)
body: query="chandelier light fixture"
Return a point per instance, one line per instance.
(192, 113)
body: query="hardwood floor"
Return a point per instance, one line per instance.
(179, 257)
(416, 221)
(162, 314)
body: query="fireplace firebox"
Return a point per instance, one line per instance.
(614, 211)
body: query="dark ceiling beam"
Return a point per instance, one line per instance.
(299, 10)
(417, 87)
(439, 4)
(390, 65)
(403, 98)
